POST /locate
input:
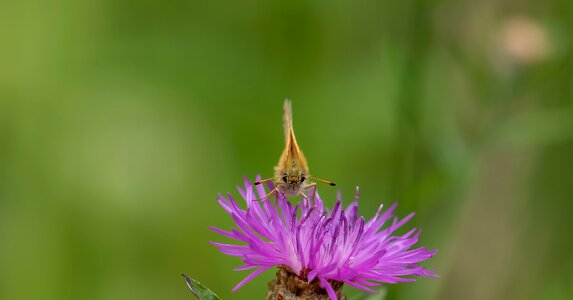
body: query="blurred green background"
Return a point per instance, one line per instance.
(120, 121)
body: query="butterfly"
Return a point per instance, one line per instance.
(291, 173)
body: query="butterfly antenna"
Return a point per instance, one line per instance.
(324, 181)
(263, 180)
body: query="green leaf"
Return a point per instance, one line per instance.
(199, 290)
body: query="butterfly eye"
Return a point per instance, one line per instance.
(302, 179)
(284, 178)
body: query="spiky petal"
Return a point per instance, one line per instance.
(316, 243)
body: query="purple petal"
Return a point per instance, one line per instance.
(335, 244)
(328, 288)
(249, 278)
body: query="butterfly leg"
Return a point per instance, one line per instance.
(274, 191)
(313, 192)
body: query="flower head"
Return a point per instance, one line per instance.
(316, 243)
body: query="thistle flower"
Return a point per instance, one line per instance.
(317, 245)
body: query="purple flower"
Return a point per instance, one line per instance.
(316, 243)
